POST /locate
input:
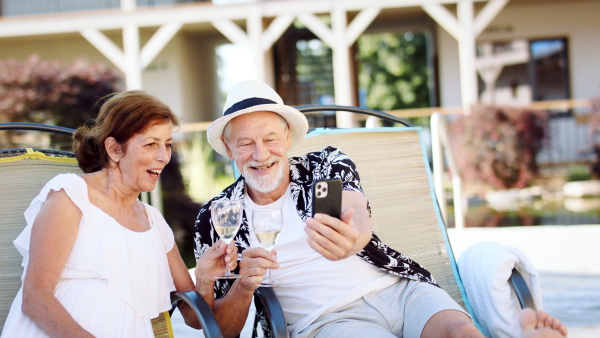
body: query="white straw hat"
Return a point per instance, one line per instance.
(252, 96)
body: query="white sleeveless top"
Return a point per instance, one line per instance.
(114, 281)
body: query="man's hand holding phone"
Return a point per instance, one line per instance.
(333, 237)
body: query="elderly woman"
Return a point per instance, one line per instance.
(98, 261)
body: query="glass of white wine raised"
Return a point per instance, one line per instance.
(226, 217)
(267, 224)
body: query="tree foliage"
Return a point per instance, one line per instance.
(53, 92)
(393, 69)
(500, 145)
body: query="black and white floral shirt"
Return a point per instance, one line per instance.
(326, 164)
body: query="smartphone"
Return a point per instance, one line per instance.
(327, 197)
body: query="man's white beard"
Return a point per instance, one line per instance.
(264, 184)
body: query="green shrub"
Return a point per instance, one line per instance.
(578, 173)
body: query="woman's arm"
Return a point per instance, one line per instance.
(52, 238)
(211, 264)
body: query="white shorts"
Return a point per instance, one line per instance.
(400, 310)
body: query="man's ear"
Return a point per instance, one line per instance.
(114, 149)
(288, 139)
(229, 153)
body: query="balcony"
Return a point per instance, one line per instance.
(32, 7)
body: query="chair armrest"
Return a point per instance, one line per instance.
(520, 288)
(274, 312)
(210, 327)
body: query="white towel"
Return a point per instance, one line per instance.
(485, 270)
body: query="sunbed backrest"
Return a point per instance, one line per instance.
(395, 175)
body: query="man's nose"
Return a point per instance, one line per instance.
(261, 152)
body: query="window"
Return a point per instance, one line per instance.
(548, 69)
(521, 71)
(304, 73)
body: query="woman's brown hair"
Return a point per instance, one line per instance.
(122, 115)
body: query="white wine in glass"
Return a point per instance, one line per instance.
(268, 238)
(267, 225)
(226, 217)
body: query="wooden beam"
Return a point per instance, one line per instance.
(131, 47)
(231, 31)
(275, 30)
(203, 12)
(317, 26)
(254, 32)
(360, 23)
(466, 51)
(105, 46)
(128, 5)
(444, 18)
(157, 42)
(487, 14)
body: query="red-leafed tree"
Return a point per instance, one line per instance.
(498, 146)
(53, 92)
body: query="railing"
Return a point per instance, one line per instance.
(567, 146)
(440, 146)
(31, 7)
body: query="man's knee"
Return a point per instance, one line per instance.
(462, 329)
(450, 323)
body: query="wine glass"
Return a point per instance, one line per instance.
(226, 217)
(267, 225)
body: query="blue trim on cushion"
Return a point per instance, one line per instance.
(247, 103)
(444, 232)
(320, 131)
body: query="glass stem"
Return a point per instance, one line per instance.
(268, 275)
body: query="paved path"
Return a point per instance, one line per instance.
(567, 257)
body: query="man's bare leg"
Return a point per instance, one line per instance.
(540, 324)
(450, 323)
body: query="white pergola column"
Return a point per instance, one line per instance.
(465, 28)
(256, 39)
(133, 64)
(132, 60)
(466, 54)
(254, 28)
(340, 38)
(341, 58)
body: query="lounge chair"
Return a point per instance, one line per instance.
(396, 177)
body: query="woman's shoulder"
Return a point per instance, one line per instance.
(67, 182)
(73, 185)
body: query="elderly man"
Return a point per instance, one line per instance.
(336, 277)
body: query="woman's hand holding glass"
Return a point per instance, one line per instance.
(214, 261)
(267, 224)
(226, 217)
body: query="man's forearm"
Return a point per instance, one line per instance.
(232, 310)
